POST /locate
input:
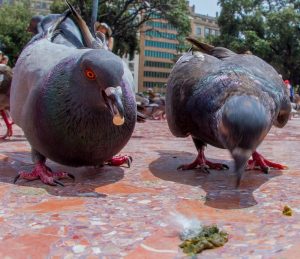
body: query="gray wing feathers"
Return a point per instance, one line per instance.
(38, 63)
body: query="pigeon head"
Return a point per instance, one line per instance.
(99, 81)
(244, 124)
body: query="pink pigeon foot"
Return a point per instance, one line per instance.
(203, 163)
(45, 174)
(259, 162)
(120, 160)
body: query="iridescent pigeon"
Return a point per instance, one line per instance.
(226, 100)
(75, 104)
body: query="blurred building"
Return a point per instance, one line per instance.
(6, 2)
(159, 48)
(41, 6)
(203, 25)
(37, 6)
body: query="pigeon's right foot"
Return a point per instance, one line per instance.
(203, 163)
(45, 174)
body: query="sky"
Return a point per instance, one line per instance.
(209, 7)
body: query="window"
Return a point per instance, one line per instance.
(198, 31)
(158, 34)
(159, 44)
(159, 54)
(148, 63)
(156, 74)
(154, 84)
(161, 25)
(207, 31)
(155, 15)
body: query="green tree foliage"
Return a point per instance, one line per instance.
(269, 29)
(126, 17)
(14, 22)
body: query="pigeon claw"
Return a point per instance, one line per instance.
(16, 178)
(266, 170)
(120, 160)
(225, 167)
(71, 176)
(59, 183)
(45, 174)
(8, 134)
(205, 169)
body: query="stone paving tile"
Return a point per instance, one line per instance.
(124, 212)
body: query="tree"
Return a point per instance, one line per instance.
(269, 29)
(14, 22)
(126, 17)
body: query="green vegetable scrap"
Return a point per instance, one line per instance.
(287, 211)
(209, 237)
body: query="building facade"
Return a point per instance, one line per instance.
(41, 6)
(203, 25)
(158, 48)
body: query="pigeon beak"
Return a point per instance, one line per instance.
(241, 157)
(113, 99)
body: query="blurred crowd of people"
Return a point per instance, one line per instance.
(294, 94)
(3, 58)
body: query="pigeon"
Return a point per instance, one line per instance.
(152, 107)
(5, 84)
(158, 113)
(226, 100)
(75, 104)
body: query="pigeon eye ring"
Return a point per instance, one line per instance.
(89, 73)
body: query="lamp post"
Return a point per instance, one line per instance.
(94, 12)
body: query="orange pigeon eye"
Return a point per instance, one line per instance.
(89, 73)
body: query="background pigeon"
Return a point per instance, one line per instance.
(150, 106)
(5, 83)
(75, 106)
(227, 100)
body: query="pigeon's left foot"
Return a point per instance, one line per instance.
(203, 163)
(120, 160)
(259, 162)
(8, 124)
(41, 171)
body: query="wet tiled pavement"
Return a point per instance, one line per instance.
(124, 212)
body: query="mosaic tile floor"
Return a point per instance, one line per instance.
(124, 212)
